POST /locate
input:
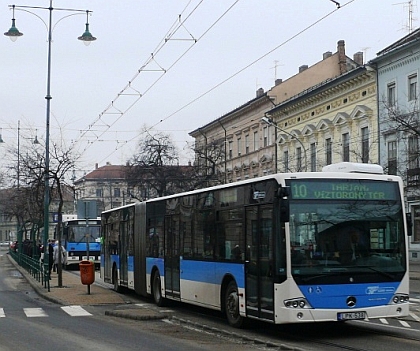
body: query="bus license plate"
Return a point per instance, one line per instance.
(345, 316)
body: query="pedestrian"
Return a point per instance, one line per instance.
(57, 260)
(50, 255)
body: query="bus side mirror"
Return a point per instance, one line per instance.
(409, 223)
(283, 194)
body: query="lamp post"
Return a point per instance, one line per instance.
(13, 33)
(270, 122)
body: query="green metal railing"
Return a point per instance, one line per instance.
(34, 266)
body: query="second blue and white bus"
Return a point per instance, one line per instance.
(284, 248)
(81, 239)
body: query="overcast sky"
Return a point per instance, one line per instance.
(170, 65)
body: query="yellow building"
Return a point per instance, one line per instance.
(332, 122)
(240, 145)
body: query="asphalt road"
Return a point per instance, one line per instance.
(28, 322)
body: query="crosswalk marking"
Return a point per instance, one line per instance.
(383, 321)
(414, 316)
(34, 312)
(75, 311)
(405, 324)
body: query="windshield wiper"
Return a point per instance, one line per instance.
(385, 274)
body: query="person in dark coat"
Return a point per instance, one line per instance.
(50, 255)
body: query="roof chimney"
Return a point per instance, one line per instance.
(278, 81)
(260, 92)
(96, 166)
(326, 55)
(358, 58)
(342, 59)
(303, 68)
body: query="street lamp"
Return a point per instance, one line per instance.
(13, 33)
(270, 122)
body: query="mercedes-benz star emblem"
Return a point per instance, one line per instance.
(351, 301)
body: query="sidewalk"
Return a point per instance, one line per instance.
(72, 292)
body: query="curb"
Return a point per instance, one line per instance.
(140, 314)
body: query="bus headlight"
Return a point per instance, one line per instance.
(400, 298)
(297, 303)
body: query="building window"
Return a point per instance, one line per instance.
(413, 152)
(412, 87)
(99, 192)
(313, 157)
(256, 141)
(392, 157)
(391, 94)
(230, 145)
(117, 192)
(299, 158)
(247, 144)
(346, 147)
(265, 130)
(286, 161)
(328, 151)
(365, 145)
(239, 146)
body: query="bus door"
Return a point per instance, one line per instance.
(123, 253)
(172, 263)
(106, 251)
(259, 262)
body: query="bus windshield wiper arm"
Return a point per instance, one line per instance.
(385, 274)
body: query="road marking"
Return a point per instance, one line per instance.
(405, 324)
(145, 304)
(2, 313)
(34, 312)
(383, 321)
(414, 316)
(75, 311)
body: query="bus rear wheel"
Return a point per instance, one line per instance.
(232, 306)
(157, 293)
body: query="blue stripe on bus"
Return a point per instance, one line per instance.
(82, 247)
(203, 271)
(335, 296)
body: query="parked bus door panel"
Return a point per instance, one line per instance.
(259, 262)
(123, 253)
(172, 258)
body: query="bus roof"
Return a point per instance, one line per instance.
(351, 167)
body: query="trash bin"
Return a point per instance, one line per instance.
(87, 272)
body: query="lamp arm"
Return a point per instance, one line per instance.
(33, 13)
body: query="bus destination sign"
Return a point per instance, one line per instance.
(332, 189)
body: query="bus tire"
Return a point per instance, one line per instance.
(232, 306)
(156, 289)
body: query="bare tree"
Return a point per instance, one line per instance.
(154, 169)
(210, 163)
(26, 201)
(403, 122)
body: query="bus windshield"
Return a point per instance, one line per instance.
(78, 233)
(339, 226)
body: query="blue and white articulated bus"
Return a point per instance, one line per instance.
(77, 235)
(284, 248)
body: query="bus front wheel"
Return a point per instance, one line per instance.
(157, 293)
(232, 306)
